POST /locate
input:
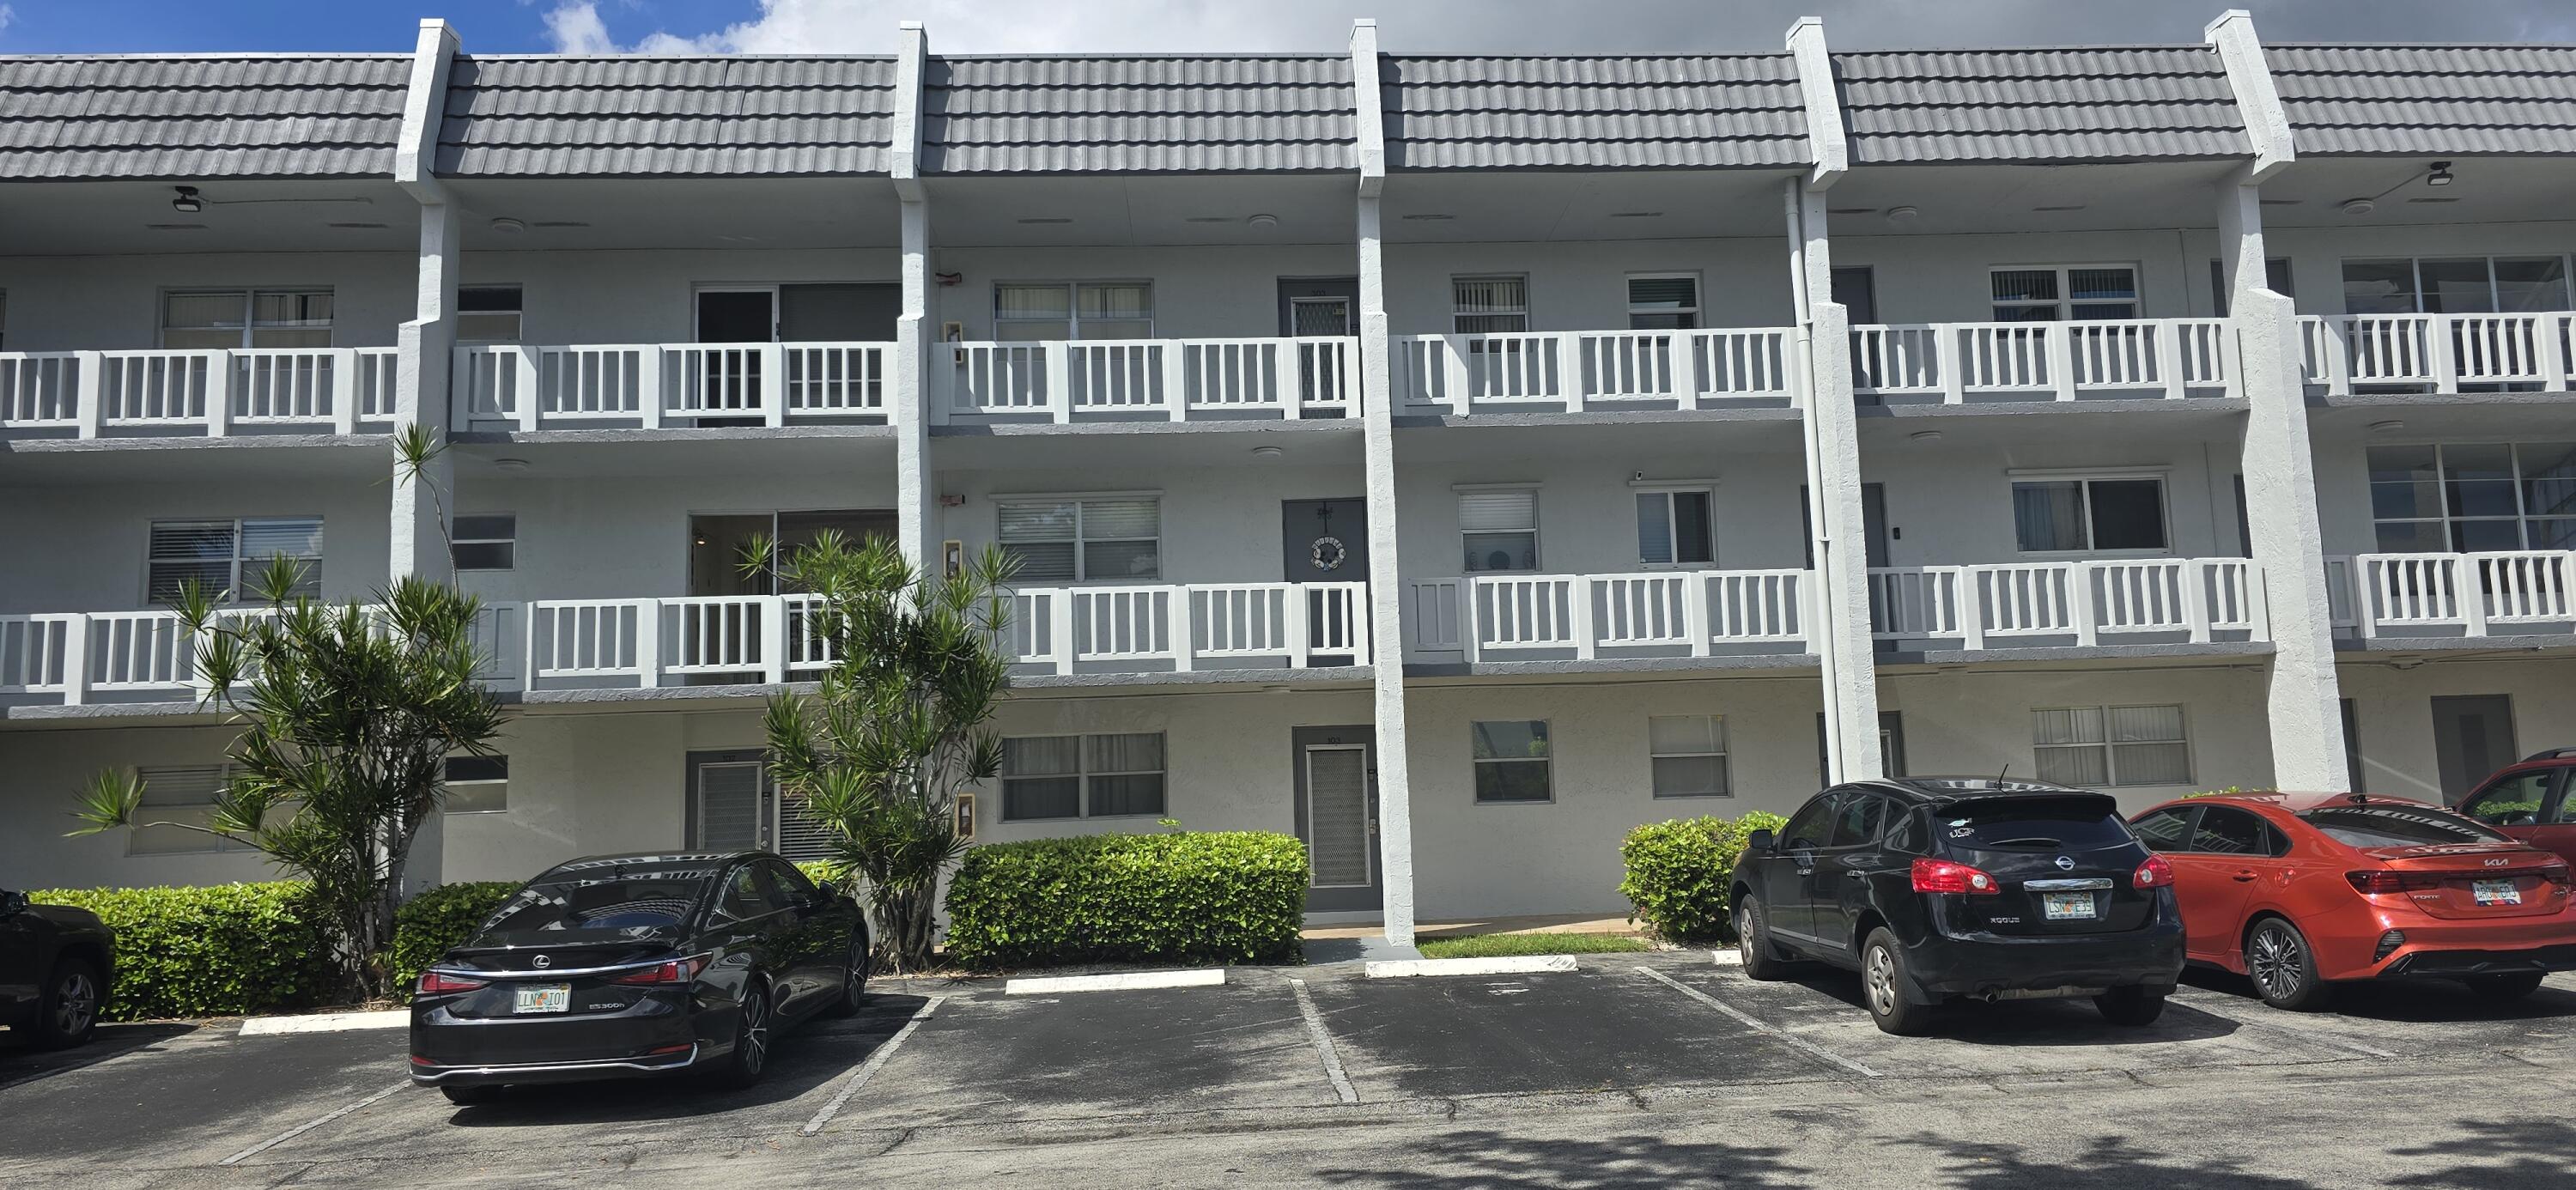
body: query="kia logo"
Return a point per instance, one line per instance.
(542, 962)
(2498, 863)
(2065, 863)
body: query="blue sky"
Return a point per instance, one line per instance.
(496, 26)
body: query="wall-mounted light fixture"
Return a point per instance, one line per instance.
(187, 203)
(2441, 175)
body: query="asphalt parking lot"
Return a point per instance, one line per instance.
(1302, 1068)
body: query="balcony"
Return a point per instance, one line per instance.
(2025, 604)
(1694, 613)
(651, 386)
(2435, 354)
(1957, 363)
(2453, 595)
(1574, 371)
(209, 394)
(1148, 380)
(1182, 628)
(79, 658)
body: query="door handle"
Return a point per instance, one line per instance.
(1857, 875)
(2246, 875)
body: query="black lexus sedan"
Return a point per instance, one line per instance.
(1937, 888)
(622, 966)
(56, 964)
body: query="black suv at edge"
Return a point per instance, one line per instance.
(1935, 888)
(56, 964)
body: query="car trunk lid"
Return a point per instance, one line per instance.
(2062, 863)
(2468, 881)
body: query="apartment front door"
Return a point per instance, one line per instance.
(2472, 738)
(1337, 818)
(1326, 541)
(1318, 307)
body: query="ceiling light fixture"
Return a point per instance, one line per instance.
(2389, 426)
(1263, 221)
(187, 203)
(1925, 435)
(508, 227)
(2358, 207)
(1266, 453)
(2441, 175)
(1902, 214)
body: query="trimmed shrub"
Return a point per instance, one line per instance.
(222, 950)
(428, 925)
(1193, 897)
(1679, 873)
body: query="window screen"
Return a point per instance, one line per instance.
(1511, 761)
(1116, 539)
(1688, 754)
(1673, 527)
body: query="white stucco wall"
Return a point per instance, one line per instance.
(2393, 710)
(41, 775)
(1198, 292)
(2316, 254)
(1943, 278)
(648, 296)
(1976, 721)
(1952, 504)
(1582, 285)
(113, 303)
(1220, 523)
(83, 547)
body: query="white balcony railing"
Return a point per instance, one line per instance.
(1178, 379)
(1690, 610)
(1190, 626)
(2442, 354)
(2085, 601)
(1689, 369)
(652, 385)
(77, 656)
(97, 394)
(2058, 361)
(2481, 594)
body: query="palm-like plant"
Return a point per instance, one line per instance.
(349, 715)
(899, 721)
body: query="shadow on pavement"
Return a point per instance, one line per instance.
(21, 1063)
(2492, 1154)
(2067, 1022)
(1495, 1159)
(813, 1054)
(2486, 1154)
(2419, 1001)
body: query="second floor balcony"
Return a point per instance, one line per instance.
(2466, 596)
(2078, 603)
(198, 393)
(1678, 613)
(2349, 355)
(1961, 362)
(653, 386)
(1066, 381)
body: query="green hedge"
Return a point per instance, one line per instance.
(222, 950)
(428, 925)
(1195, 897)
(1679, 872)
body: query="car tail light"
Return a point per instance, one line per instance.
(440, 983)
(2394, 882)
(2157, 872)
(1943, 876)
(674, 971)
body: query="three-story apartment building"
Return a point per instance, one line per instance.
(1454, 461)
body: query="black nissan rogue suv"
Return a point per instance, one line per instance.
(1936, 888)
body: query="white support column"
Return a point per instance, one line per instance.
(1822, 378)
(427, 343)
(1377, 426)
(908, 406)
(2303, 699)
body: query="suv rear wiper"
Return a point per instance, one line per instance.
(2041, 840)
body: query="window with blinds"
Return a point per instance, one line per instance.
(227, 318)
(174, 794)
(1688, 753)
(1485, 305)
(227, 556)
(1663, 301)
(2058, 294)
(1674, 528)
(1083, 776)
(2100, 746)
(2089, 516)
(1500, 529)
(1080, 540)
(1031, 311)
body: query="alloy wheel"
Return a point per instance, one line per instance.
(1878, 979)
(755, 1031)
(2273, 962)
(75, 1002)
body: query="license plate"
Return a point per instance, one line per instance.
(2496, 892)
(544, 997)
(2067, 906)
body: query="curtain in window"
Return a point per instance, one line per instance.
(1654, 527)
(2049, 516)
(1031, 301)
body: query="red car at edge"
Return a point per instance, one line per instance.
(2299, 891)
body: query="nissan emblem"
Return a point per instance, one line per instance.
(2065, 863)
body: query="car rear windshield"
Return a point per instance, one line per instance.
(2032, 824)
(2396, 826)
(630, 899)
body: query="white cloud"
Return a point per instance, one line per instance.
(577, 29)
(8, 17)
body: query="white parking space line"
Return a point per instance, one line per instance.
(1506, 965)
(868, 1069)
(1757, 1024)
(326, 1022)
(308, 1126)
(1323, 1040)
(1130, 981)
(2266, 1025)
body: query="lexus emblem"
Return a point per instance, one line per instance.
(2065, 863)
(542, 962)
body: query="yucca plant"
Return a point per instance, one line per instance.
(348, 715)
(899, 722)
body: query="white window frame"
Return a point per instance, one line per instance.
(2521, 518)
(1458, 316)
(249, 307)
(517, 313)
(2164, 511)
(1082, 555)
(1695, 310)
(1672, 523)
(2110, 748)
(2495, 293)
(243, 569)
(1717, 732)
(512, 541)
(501, 783)
(1475, 764)
(1072, 305)
(2065, 303)
(1538, 547)
(208, 844)
(1082, 773)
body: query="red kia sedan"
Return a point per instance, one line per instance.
(2299, 891)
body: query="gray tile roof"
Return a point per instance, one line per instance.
(201, 117)
(1014, 115)
(2350, 100)
(2039, 105)
(523, 117)
(1716, 111)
